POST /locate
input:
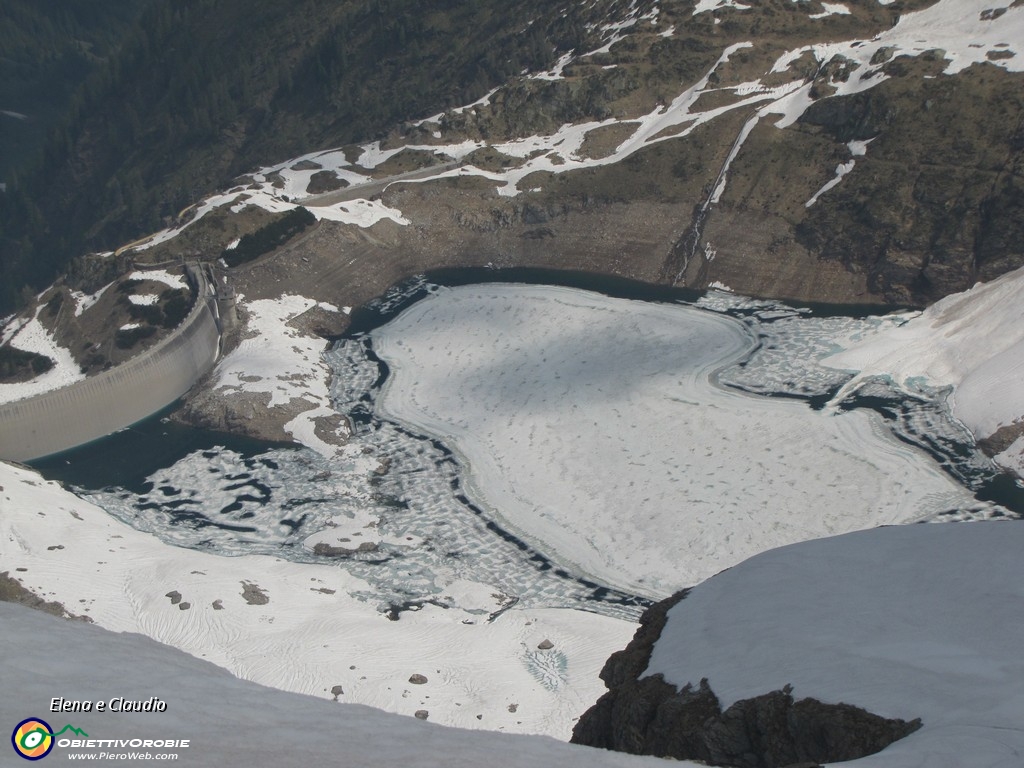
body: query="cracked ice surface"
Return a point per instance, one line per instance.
(593, 428)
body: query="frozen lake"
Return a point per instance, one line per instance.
(596, 429)
(572, 449)
(527, 463)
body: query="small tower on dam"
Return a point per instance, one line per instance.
(224, 295)
(226, 313)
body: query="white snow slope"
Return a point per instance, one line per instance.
(971, 341)
(228, 722)
(909, 621)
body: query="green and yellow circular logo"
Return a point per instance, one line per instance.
(32, 738)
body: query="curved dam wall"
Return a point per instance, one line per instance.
(89, 409)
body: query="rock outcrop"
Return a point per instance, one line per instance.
(648, 716)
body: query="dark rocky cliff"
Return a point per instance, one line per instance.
(648, 716)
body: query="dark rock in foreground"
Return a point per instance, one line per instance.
(648, 716)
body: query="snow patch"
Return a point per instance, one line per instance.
(555, 73)
(859, 148)
(362, 213)
(841, 170)
(831, 9)
(83, 302)
(282, 362)
(33, 336)
(703, 6)
(172, 280)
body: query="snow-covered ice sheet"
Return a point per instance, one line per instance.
(593, 427)
(382, 507)
(298, 627)
(907, 621)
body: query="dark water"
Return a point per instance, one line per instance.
(126, 458)
(406, 293)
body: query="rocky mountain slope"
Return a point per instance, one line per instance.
(859, 152)
(201, 90)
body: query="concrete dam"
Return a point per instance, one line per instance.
(64, 418)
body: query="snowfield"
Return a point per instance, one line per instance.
(907, 621)
(229, 722)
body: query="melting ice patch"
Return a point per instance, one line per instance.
(221, 500)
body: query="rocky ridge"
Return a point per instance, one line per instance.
(792, 150)
(852, 154)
